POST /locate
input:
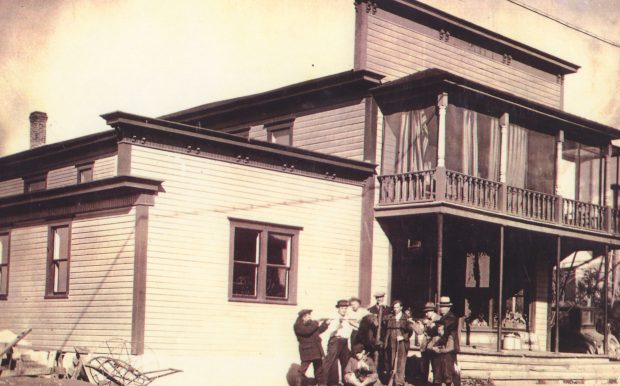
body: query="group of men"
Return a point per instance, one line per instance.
(370, 345)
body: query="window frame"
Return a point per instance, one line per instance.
(264, 229)
(29, 180)
(280, 126)
(85, 167)
(50, 293)
(7, 233)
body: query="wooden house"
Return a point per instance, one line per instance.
(442, 164)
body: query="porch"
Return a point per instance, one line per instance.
(441, 185)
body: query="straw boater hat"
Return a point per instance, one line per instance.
(429, 306)
(444, 301)
(379, 294)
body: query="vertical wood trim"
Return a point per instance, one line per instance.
(370, 130)
(366, 240)
(559, 149)
(606, 302)
(557, 293)
(503, 168)
(439, 255)
(123, 166)
(442, 105)
(138, 310)
(361, 37)
(500, 292)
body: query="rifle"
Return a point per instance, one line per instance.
(378, 337)
(394, 366)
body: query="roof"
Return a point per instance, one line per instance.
(487, 38)
(436, 80)
(340, 84)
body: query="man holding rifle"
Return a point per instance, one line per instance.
(398, 330)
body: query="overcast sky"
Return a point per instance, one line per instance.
(77, 59)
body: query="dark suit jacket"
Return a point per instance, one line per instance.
(395, 326)
(310, 347)
(452, 328)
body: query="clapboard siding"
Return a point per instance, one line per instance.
(258, 132)
(100, 300)
(188, 252)
(11, 187)
(337, 132)
(62, 177)
(105, 167)
(540, 306)
(397, 47)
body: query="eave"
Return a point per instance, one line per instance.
(298, 96)
(199, 141)
(119, 191)
(479, 35)
(56, 154)
(436, 81)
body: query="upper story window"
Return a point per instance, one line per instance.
(263, 262)
(35, 183)
(280, 132)
(580, 172)
(84, 173)
(58, 253)
(4, 265)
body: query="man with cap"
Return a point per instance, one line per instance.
(308, 333)
(338, 344)
(451, 322)
(360, 370)
(429, 330)
(379, 307)
(382, 312)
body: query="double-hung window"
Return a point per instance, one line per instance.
(4, 265)
(263, 262)
(59, 245)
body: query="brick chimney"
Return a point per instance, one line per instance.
(38, 121)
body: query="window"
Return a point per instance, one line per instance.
(35, 183)
(84, 173)
(4, 265)
(58, 261)
(280, 132)
(263, 260)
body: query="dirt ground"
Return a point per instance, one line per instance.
(30, 381)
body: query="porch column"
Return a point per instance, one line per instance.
(559, 148)
(500, 294)
(439, 255)
(606, 302)
(557, 293)
(442, 105)
(503, 161)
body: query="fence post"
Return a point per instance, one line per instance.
(440, 183)
(559, 204)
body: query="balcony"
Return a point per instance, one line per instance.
(441, 185)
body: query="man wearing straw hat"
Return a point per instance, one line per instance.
(338, 345)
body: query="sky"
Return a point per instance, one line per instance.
(76, 60)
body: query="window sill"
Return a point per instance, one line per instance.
(262, 301)
(57, 296)
(4, 297)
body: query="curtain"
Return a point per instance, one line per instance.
(494, 150)
(413, 143)
(469, 159)
(517, 156)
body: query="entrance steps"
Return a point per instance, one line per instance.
(516, 368)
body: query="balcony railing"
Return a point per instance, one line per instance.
(445, 185)
(530, 204)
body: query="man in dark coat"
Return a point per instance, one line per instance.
(308, 333)
(451, 321)
(398, 331)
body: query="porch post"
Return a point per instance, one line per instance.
(557, 293)
(442, 105)
(606, 301)
(559, 149)
(503, 161)
(439, 254)
(500, 295)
